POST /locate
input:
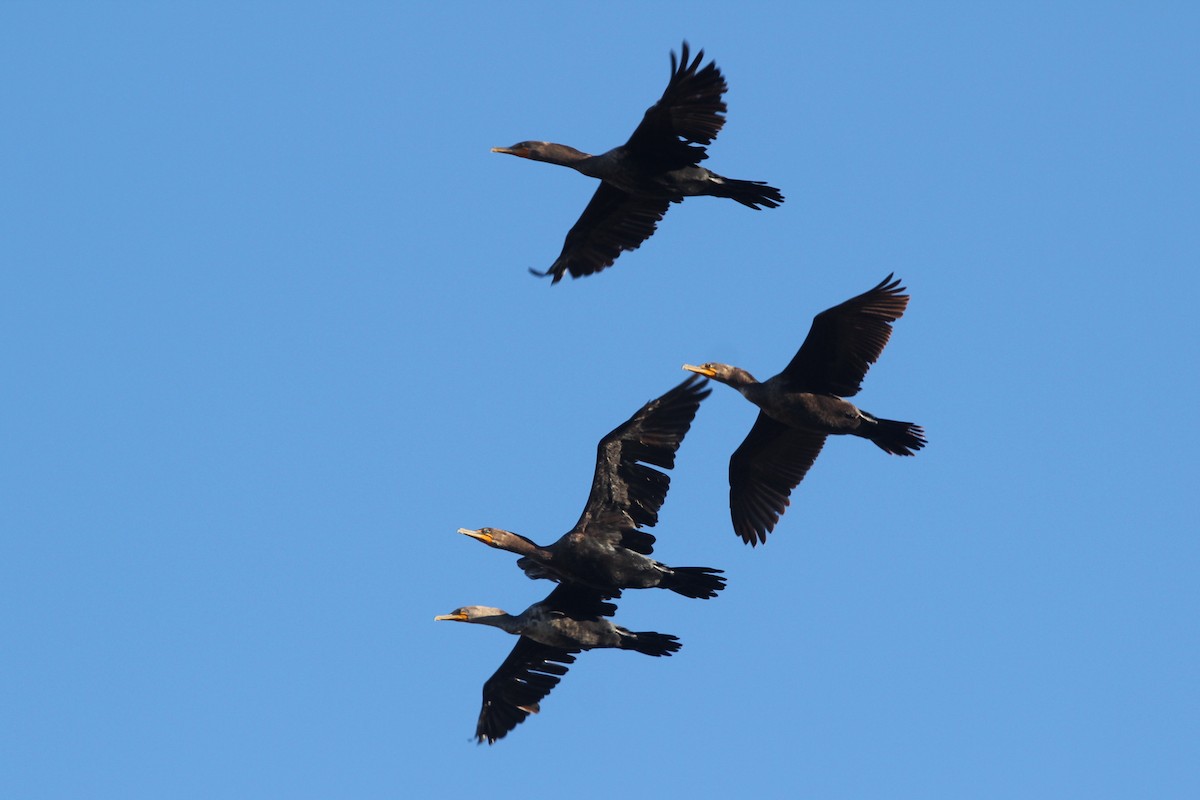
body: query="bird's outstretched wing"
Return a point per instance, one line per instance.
(689, 114)
(532, 669)
(845, 341)
(579, 602)
(613, 222)
(770, 462)
(626, 483)
(515, 690)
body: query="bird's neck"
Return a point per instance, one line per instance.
(756, 393)
(505, 622)
(516, 543)
(561, 154)
(745, 383)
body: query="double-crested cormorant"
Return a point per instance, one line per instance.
(606, 550)
(655, 168)
(803, 404)
(572, 618)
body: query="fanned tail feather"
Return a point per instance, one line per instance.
(650, 643)
(897, 438)
(698, 582)
(754, 194)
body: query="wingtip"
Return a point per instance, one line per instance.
(554, 276)
(752, 535)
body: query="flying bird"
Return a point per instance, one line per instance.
(803, 405)
(570, 619)
(607, 550)
(656, 167)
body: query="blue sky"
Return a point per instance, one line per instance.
(269, 340)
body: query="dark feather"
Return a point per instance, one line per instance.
(770, 462)
(845, 341)
(623, 481)
(515, 689)
(690, 110)
(613, 222)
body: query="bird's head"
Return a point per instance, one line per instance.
(549, 152)
(500, 539)
(485, 535)
(521, 149)
(490, 536)
(723, 373)
(470, 614)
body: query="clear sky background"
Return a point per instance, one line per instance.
(268, 340)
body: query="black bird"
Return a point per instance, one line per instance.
(606, 550)
(655, 168)
(570, 619)
(803, 404)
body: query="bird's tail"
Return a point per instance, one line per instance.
(698, 582)
(749, 193)
(897, 438)
(649, 642)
